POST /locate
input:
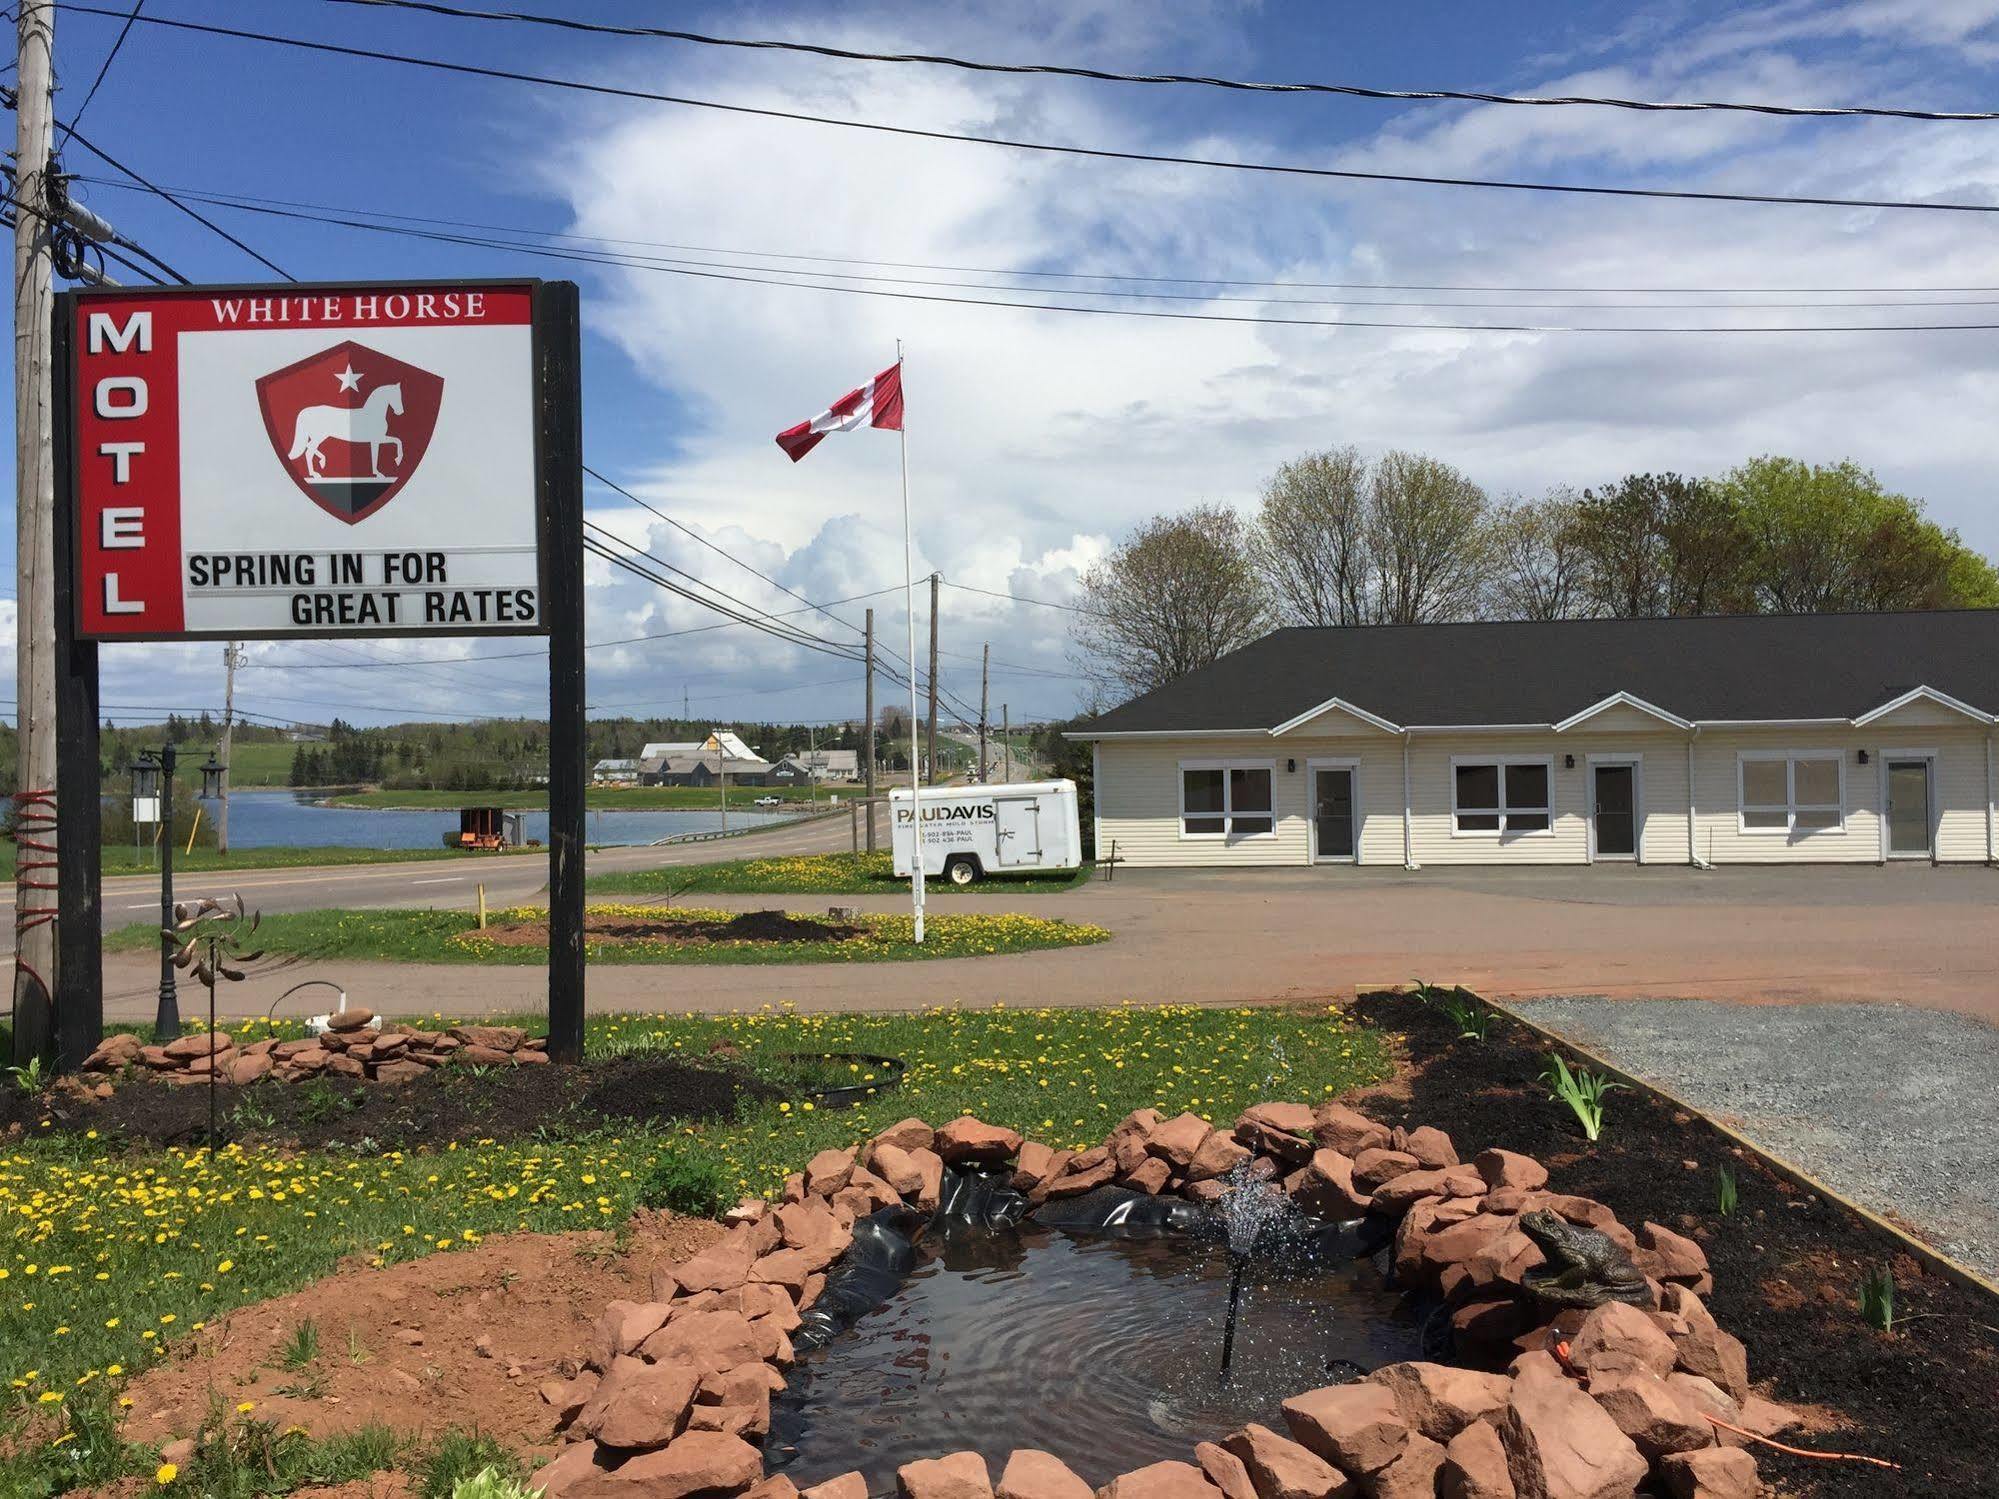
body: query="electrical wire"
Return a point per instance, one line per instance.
(1101, 75)
(915, 132)
(249, 201)
(1018, 598)
(102, 68)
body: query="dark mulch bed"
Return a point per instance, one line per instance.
(450, 1103)
(750, 926)
(1786, 1264)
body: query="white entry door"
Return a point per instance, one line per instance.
(1018, 826)
(1909, 809)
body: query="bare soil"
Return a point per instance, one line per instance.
(1786, 1264)
(683, 931)
(448, 1103)
(462, 1339)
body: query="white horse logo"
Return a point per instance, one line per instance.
(367, 423)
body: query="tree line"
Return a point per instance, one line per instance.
(1409, 539)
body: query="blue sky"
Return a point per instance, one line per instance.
(1037, 438)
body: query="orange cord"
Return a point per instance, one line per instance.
(1832, 1457)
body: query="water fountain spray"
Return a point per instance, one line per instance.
(1250, 1212)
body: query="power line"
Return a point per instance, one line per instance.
(915, 132)
(249, 202)
(102, 68)
(1101, 75)
(775, 278)
(1018, 598)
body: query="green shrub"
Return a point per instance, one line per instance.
(468, 1465)
(1582, 1090)
(688, 1181)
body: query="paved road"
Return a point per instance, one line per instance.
(1911, 936)
(1894, 1107)
(512, 879)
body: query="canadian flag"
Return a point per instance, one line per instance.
(876, 404)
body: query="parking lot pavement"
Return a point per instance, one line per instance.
(1895, 1107)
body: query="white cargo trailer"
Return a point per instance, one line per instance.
(973, 831)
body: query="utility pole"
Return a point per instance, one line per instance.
(232, 657)
(930, 750)
(36, 981)
(985, 678)
(1006, 745)
(868, 751)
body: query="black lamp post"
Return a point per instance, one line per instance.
(153, 776)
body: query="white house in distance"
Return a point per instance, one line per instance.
(1838, 738)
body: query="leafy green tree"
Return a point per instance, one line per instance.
(1832, 537)
(1662, 544)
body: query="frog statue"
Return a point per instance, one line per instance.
(1584, 1267)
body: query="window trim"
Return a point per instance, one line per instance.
(1228, 814)
(1791, 806)
(1502, 834)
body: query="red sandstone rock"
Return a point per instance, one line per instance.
(698, 1462)
(719, 1267)
(568, 1396)
(750, 1418)
(810, 1225)
(1431, 1147)
(829, 1172)
(1217, 1157)
(968, 1141)
(638, 1405)
(1178, 1139)
(1356, 1427)
(1036, 1164)
(1705, 1349)
(738, 1386)
(1616, 1336)
(345, 1066)
(1280, 1468)
(1413, 1475)
(1764, 1417)
(1268, 1140)
(1033, 1474)
(114, 1053)
(580, 1461)
(1707, 1396)
(398, 1071)
(1079, 1178)
(1716, 1473)
(906, 1134)
(1160, 1481)
(1656, 1416)
(1329, 1188)
(1561, 1445)
(1507, 1168)
(1225, 1471)
(1150, 1177)
(705, 1341)
(1440, 1400)
(1474, 1466)
(845, 1486)
(245, 1070)
(777, 1486)
(1371, 1168)
(879, 1193)
(623, 1326)
(353, 1018)
(959, 1475)
(1337, 1127)
(1400, 1193)
(1665, 1255)
(784, 1267)
(1292, 1118)
(1485, 1328)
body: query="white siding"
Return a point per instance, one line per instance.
(1138, 791)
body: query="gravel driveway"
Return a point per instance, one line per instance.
(1896, 1108)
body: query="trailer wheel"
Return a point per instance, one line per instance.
(962, 870)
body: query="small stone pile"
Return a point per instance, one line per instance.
(675, 1393)
(351, 1046)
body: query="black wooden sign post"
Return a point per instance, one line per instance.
(315, 462)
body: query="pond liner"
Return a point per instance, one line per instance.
(872, 1270)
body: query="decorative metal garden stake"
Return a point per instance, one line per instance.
(153, 777)
(202, 936)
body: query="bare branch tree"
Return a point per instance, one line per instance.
(1310, 538)
(1176, 594)
(1536, 562)
(1426, 539)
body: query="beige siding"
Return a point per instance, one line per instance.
(1138, 792)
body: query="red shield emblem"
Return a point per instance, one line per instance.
(350, 425)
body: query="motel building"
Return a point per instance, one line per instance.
(1747, 739)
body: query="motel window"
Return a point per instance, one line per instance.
(1791, 792)
(1219, 800)
(1500, 797)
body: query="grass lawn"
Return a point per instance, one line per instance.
(261, 765)
(454, 937)
(109, 1254)
(624, 798)
(818, 874)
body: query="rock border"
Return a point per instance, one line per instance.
(673, 1394)
(352, 1045)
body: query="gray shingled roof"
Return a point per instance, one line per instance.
(1755, 666)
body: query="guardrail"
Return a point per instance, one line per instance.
(761, 827)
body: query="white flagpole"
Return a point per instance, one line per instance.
(909, 593)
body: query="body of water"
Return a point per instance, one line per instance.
(279, 819)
